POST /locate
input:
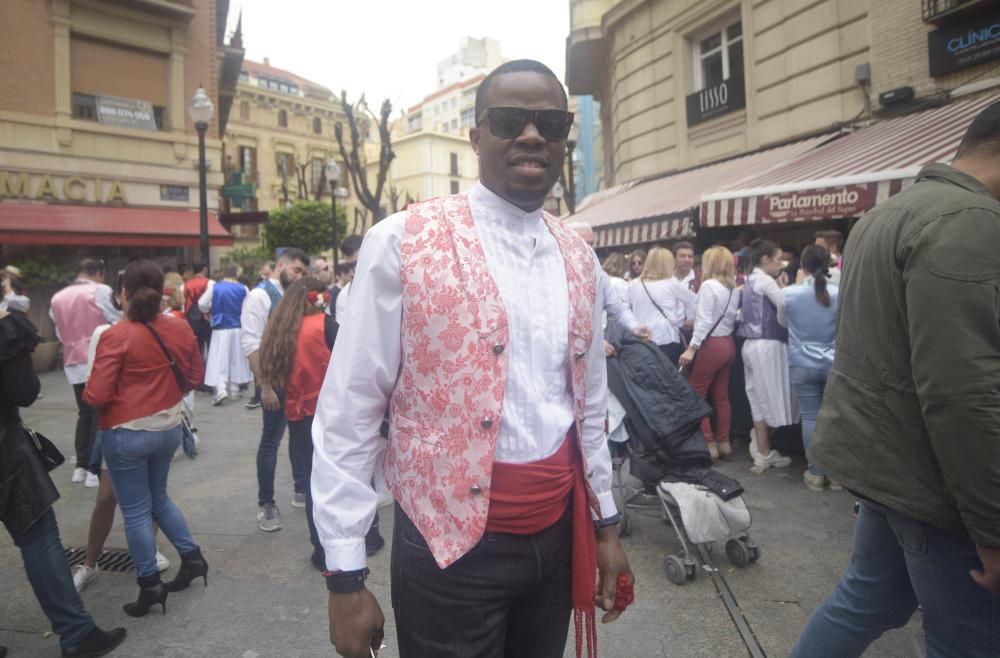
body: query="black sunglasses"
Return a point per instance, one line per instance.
(510, 122)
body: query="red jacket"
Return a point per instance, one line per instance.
(194, 288)
(131, 377)
(308, 368)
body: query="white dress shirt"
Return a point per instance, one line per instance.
(688, 297)
(614, 304)
(528, 268)
(340, 307)
(714, 301)
(668, 294)
(253, 319)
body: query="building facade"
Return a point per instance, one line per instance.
(683, 83)
(97, 153)
(430, 164)
(474, 56)
(279, 138)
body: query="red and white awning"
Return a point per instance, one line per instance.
(619, 235)
(845, 177)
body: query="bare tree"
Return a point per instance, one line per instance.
(300, 174)
(394, 198)
(354, 158)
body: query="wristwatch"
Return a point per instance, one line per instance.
(345, 582)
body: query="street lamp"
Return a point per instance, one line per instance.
(332, 176)
(557, 192)
(200, 109)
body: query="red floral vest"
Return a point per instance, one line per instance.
(445, 409)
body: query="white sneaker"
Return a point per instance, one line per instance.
(162, 563)
(219, 398)
(79, 474)
(92, 481)
(772, 460)
(83, 576)
(753, 444)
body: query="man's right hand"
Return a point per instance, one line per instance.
(989, 577)
(356, 624)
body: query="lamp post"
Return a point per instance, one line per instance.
(557, 192)
(332, 176)
(200, 109)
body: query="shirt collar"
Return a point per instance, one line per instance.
(951, 175)
(490, 208)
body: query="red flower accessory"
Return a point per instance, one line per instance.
(316, 298)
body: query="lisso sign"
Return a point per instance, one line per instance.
(969, 42)
(714, 101)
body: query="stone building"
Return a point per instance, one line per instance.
(97, 153)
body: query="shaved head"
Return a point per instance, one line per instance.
(585, 231)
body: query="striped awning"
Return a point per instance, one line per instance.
(663, 208)
(848, 176)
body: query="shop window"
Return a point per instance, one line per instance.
(317, 125)
(84, 107)
(244, 111)
(282, 119)
(248, 164)
(718, 56)
(454, 165)
(454, 187)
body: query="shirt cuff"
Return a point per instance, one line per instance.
(345, 554)
(609, 508)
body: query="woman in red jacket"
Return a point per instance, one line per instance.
(137, 389)
(294, 354)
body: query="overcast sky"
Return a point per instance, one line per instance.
(392, 47)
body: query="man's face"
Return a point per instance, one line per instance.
(683, 262)
(290, 271)
(265, 271)
(823, 242)
(523, 169)
(99, 277)
(320, 269)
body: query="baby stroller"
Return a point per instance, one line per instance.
(666, 451)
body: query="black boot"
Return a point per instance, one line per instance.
(151, 592)
(193, 566)
(96, 644)
(3, 652)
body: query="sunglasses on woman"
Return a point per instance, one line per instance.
(510, 122)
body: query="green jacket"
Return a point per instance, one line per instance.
(911, 414)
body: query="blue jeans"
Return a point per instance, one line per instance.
(301, 446)
(275, 423)
(48, 572)
(808, 384)
(138, 462)
(898, 562)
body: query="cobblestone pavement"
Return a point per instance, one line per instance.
(265, 599)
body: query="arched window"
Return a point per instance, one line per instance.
(317, 125)
(282, 118)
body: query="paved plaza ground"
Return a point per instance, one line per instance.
(265, 599)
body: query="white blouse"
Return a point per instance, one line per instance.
(714, 301)
(667, 294)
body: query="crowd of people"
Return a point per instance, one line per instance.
(473, 332)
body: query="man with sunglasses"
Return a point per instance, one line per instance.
(473, 319)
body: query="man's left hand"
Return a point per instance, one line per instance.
(611, 562)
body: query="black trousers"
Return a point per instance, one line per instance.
(86, 428)
(509, 597)
(673, 352)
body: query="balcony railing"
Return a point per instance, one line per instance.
(939, 11)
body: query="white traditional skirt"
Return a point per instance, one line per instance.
(765, 363)
(226, 363)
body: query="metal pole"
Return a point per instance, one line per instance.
(333, 205)
(203, 193)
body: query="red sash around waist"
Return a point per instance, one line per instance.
(528, 498)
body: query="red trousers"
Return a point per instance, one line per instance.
(710, 379)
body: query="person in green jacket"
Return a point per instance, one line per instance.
(910, 421)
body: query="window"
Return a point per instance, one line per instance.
(282, 119)
(719, 56)
(84, 107)
(454, 187)
(286, 165)
(454, 125)
(454, 103)
(159, 116)
(317, 125)
(248, 164)
(454, 164)
(318, 175)
(244, 76)
(469, 118)
(244, 111)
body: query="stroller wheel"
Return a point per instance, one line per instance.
(675, 570)
(625, 527)
(738, 552)
(691, 570)
(752, 547)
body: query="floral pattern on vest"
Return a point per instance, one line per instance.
(445, 409)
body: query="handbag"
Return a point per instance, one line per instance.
(714, 327)
(680, 334)
(189, 439)
(47, 451)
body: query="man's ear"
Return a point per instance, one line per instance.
(474, 139)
